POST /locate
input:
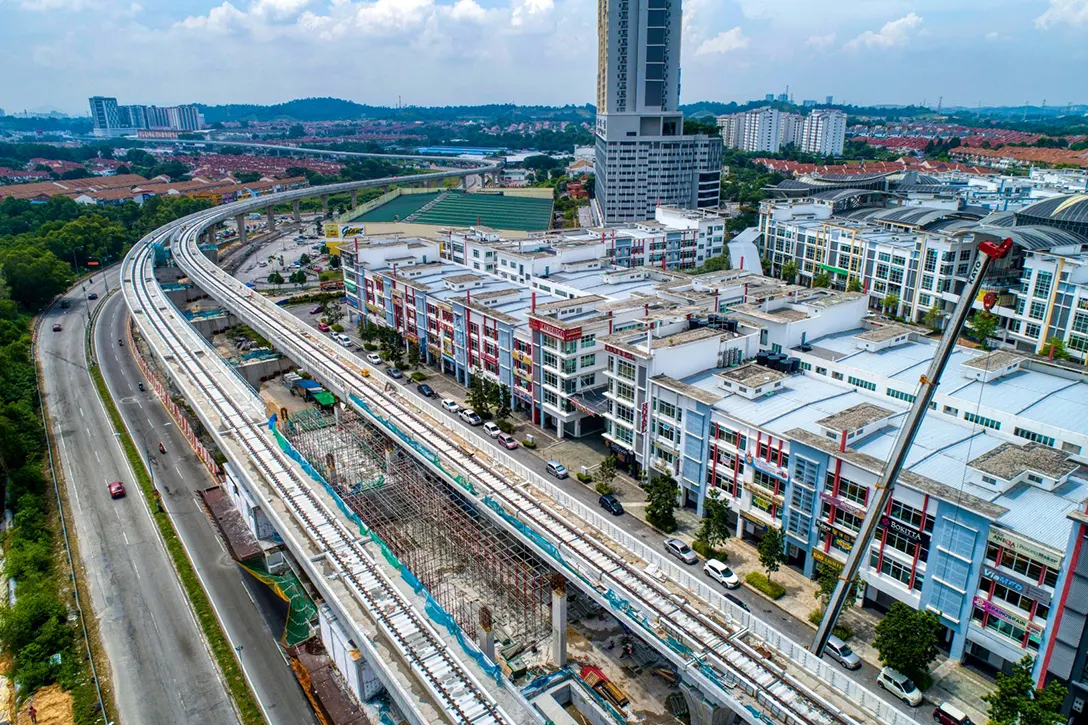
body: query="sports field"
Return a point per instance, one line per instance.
(459, 209)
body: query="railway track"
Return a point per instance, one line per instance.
(440, 671)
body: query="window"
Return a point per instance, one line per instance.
(624, 413)
(551, 398)
(848, 490)
(1043, 282)
(587, 381)
(623, 391)
(1080, 322)
(901, 396)
(1032, 330)
(549, 360)
(983, 421)
(821, 371)
(858, 382)
(588, 361)
(667, 409)
(569, 347)
(551, 379)
(625, 369)
(892, 568)
(588, 341)
(1033, 436)
(911, 516)
(1037, 310)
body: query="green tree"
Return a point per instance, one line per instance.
(933, 317)
(827, 576)
(296, 131)
(304, 259)
(247, 177)
(334, 261)
(332, 312)
(1055, 349)
(907, 640)
(297, 277)
(275, 278)
(502, 404)
(479, 396)
(1017, 701)
(890, 303)
(714, 528)
(772, 550)
(765, 264)
(661, 495)
(854, 285)
(789, 271)
(605, 475)
(33, 275)
(414, 356)
(982, 327)
(823, 279)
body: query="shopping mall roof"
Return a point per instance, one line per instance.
(1071, 208)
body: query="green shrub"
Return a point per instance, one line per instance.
(602, 488)
(369, 346)
(418, 377)
(707, 551)
(529, 444)
(584, 478)
(506, 426)
(761, 583)
(841, 631)
(337, 327)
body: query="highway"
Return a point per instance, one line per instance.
(246, 608)
(160, 668)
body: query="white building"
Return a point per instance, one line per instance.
(824, 132)
(762, 130)
(793, 129)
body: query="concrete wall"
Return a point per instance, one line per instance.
(259, 370)
(210, 326)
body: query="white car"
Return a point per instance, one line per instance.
(899, 685)
(491, 429)
(470, 416)
(450, 406)
(721, 573)
(374, 358)
(343, 340)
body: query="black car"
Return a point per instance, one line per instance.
(425, 390)
(610, 504)
(738, 602)
(92, 296)
(394, 373)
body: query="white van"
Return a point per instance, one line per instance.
(343, 339)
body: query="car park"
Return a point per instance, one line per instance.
(374, 358)
(721, 573)
(948, 714)
(507, 441)
(394, 373)
(681, 551)
(839, 651)
(491, 429)
(425, 390)
(116, 489)
(899, 685)
(450, 405)
(470, 416)
(611, 504)
(557, 469)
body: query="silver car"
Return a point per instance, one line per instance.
(839, 651)
(681, 551)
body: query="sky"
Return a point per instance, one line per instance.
(56, 53)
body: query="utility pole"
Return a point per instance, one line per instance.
(927, 388)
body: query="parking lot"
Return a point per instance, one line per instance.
(279, 254)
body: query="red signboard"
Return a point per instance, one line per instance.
(554, 331)
(617, 351)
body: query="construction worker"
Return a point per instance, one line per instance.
(32, 713)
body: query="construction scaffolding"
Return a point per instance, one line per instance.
(464, 561)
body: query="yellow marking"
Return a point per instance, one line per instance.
(1071, 201)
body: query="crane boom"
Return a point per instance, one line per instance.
(927, 387)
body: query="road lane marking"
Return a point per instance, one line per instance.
(125, 537)
(81, 412)
(96, 456)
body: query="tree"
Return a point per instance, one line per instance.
(304, 259)
(771, 550)
(982, 327)
(33, 275)
(296, 131)
(77, 173)
(827, 576)
(907, 640)
(854, 285)
(766, 265)
(890, 303)
(714, 529)
(478, 395)
(823, 279)
(414, 356)
(1055, 349)
(933, 317)
(661, 503)
(275, 278)
(605, 474)
(247, 177)
(1016, 700)
(502, 405)
(122, 170)
(789, 271)
(334, 261)
(332, 312)
(298, 277)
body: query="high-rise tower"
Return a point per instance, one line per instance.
(642, 157)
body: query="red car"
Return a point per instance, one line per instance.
(316, 310)
(323, 326)
(117, 489)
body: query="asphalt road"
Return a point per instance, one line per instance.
(251, 615)
(790, 626)
(160, 667)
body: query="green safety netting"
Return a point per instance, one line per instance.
(301, 610)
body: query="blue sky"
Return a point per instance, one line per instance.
(59, 52)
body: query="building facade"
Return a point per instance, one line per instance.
(824, 132)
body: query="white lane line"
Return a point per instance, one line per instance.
(96, 456)
(177, 467)
(81, 412)
(125, 537)
(139, 404)
(136, 568)
(88, 431)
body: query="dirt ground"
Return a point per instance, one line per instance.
(54, 707)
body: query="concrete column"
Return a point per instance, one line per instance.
(703, 712)
(271, 219)
(240, 222)
(486, 634)
(354, 198)
(325, 204)
(296, 210)
(559, 620)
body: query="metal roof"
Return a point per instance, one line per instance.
(1069, 208)
(1035, 238)
(918, 216)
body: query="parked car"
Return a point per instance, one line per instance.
(681, 551)
(839, 651)
(374, 358)
(469, 416)
(56, 327)
(343, 339)
(117, 489)
(425, 390)
(611, 504)
(737, 602)
(948, 714)
(721, 573)
(491, 429)
(92, 296)
(450, 406)
(899, 685)
(316, 310)
(557, 469)
(394, 373)
(507, 441)
(323, 326)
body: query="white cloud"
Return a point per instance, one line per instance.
(1063, 12)
(724, 42)
(43, 5)
(467, 10)
(530, 11)
(224, 18)
(894, 33)
(820, 42)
